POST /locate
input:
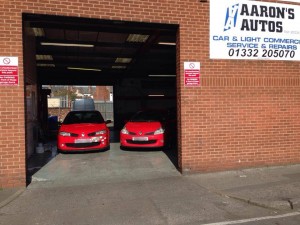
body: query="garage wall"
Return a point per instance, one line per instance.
(243, 121)
(31, 92)
(12, 128)
(244, 113)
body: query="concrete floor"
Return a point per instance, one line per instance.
(100, 167)
(119, 187)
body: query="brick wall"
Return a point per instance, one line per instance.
(244, 114)
(12, 125)
(102, 93)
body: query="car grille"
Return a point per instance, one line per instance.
(82, 145)
(141, 142)
(148, 133)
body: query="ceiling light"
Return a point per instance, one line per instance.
(67, 44)
(162, 75)
(44, 57)
(79, 68)
(45, 65)
(166, 43)
(118, 67)
(137, 38)
(38, 32)
(156, 95)
(123, 60)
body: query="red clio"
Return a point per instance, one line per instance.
(144, 130)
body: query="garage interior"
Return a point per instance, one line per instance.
(137, 59)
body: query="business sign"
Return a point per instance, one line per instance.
(192, 74)
(9, 71)
(241, 29)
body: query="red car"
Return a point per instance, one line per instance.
(83, 131)
(144, 130)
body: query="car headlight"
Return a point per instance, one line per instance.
(159, 131)
(124, 131)
(65, 134)
(101, 132)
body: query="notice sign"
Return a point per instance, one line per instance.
(254, 30)
(9, 71)
(192, 74)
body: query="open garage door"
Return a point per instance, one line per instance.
(137, 59)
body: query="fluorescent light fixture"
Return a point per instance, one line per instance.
(45, 65)
(118, 67)
(67, 44)
(137, 38)
(166, 43)
(43, 57)
(86, 69)
(123, 60)
(162, 75)
(156, 95)
(38, 32)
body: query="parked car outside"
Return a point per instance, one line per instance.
(144, 130)
(83, 131)
(83, 104)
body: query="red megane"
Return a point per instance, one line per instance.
(143, 130)
(83, 131)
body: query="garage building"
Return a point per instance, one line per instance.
(234, 110)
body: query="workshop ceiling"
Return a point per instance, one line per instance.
(72, 50)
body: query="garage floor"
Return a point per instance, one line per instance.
(114, 165)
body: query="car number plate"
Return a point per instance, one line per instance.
(140, 138)
(83, 141)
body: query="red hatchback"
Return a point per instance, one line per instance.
(144, 130)
(83, 131)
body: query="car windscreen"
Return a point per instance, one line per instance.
(83, 117)
(146, 116)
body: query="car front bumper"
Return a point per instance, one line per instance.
(153, 141)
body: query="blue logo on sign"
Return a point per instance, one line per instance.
(231, 17)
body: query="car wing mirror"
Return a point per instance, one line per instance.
(108, 121)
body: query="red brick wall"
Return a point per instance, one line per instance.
(244, 114)
(12, 126)
(101, 94)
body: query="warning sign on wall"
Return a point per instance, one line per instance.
(192, 74)
(9, 71)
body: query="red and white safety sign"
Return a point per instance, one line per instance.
(9, 71)
(191, 74)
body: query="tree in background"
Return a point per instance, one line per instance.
(64, 92)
